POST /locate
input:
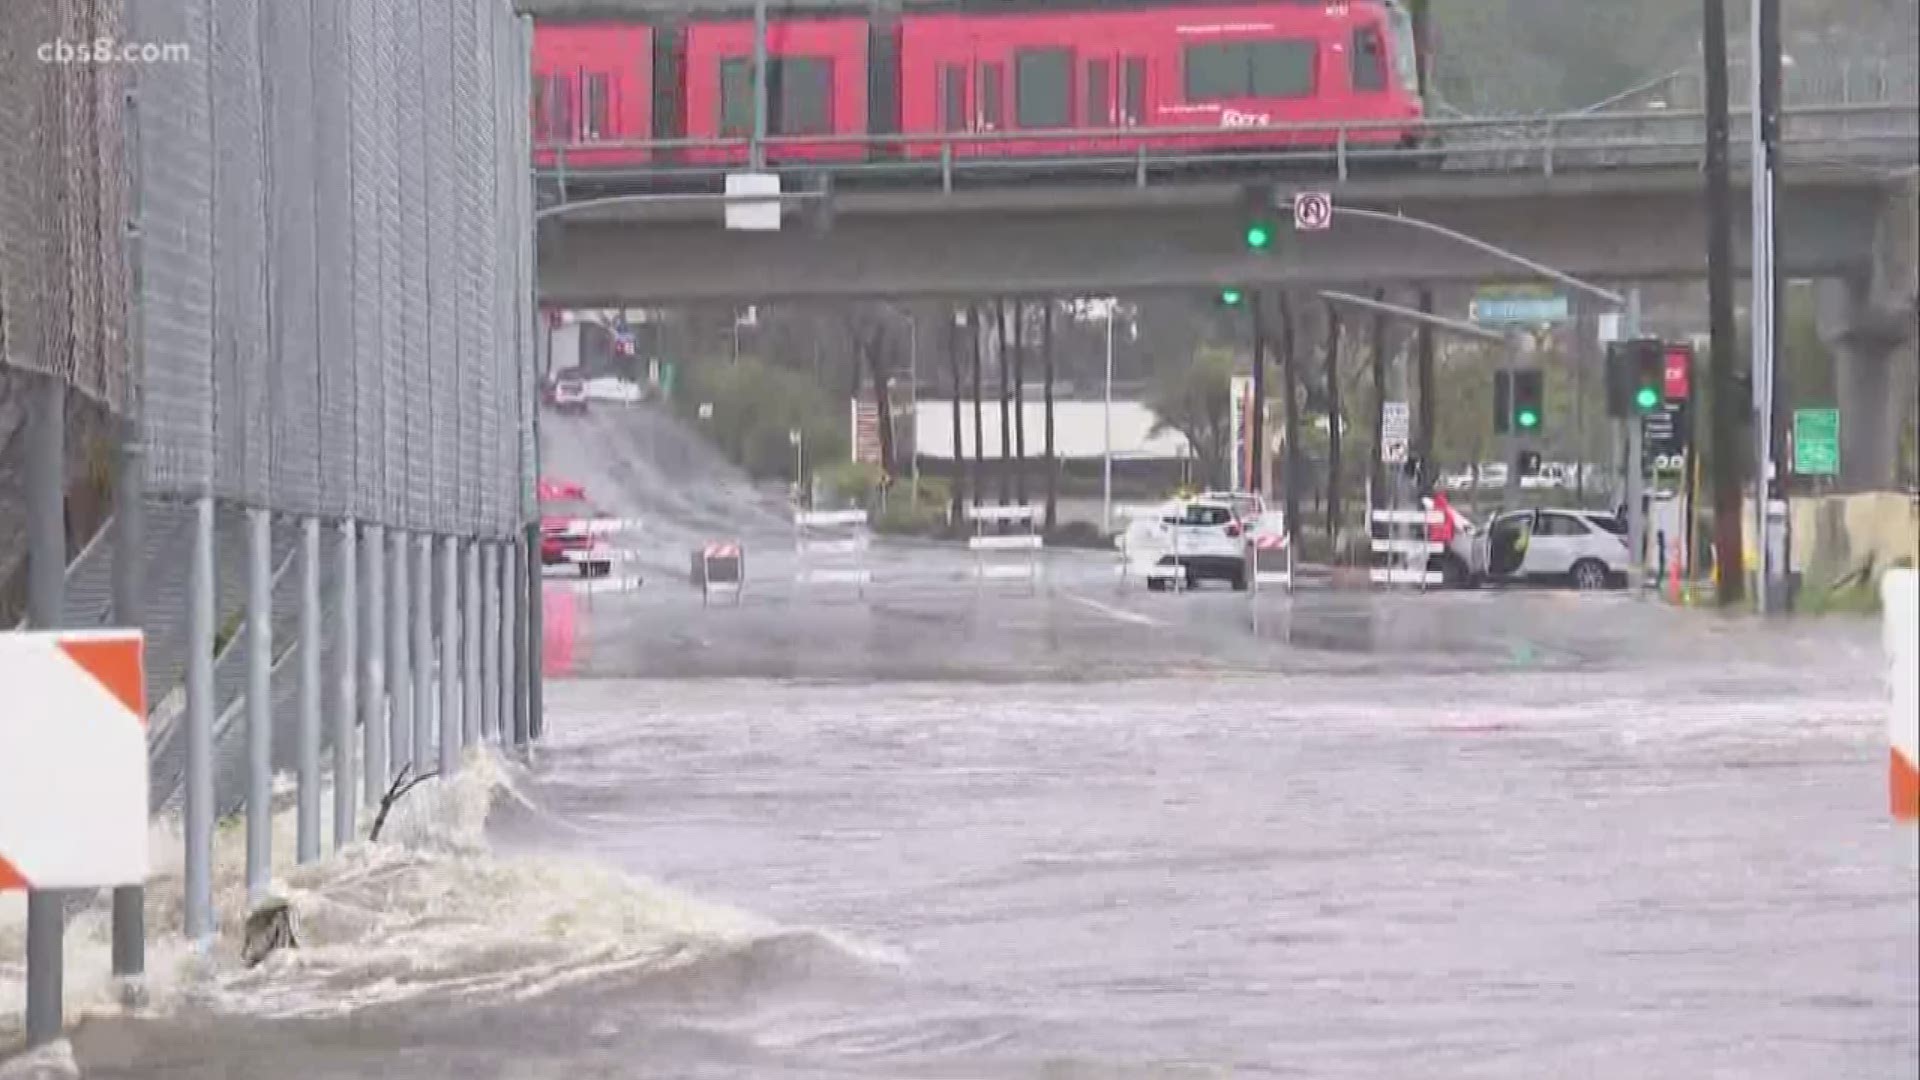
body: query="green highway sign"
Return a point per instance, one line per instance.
(1816, 442)
(1501, 309)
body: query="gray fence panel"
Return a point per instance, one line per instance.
(241, 361)
(388, 401)
(363, 31)
(173, 160)
(334, 245)
(410, 431)
(436, 58)
(287, 30)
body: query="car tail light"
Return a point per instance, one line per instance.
(1233, 532)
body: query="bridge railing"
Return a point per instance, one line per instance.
(1868, 133)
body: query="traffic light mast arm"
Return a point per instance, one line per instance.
(1413, 314)
(1542, 269)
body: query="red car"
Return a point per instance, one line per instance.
(565, 536)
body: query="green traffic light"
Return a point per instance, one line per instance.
(1259, 236)
(1647, 398)
(1528, 418)
(1230, 297)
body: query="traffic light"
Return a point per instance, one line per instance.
(1636, 377)
(1502, 402)
(1231, 297)
(1259, 234)
(1529, 402)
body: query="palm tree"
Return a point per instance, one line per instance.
(1333, 424)
(1046, 374)
(1000, 339)
(975, 329)
(1019, 403)
(958, 512)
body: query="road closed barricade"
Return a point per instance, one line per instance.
(831, 547)
(720, 570)
(1006, 544)
(1900, 608)
(73, 760)
(1270, 561)
(1403, 547)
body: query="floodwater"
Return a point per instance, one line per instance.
(1638, 870)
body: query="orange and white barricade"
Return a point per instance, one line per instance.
(1012, 555)
(1404, 537)
(73, 760)
(1901, 611)
(1270, 561)
(721, 570)
(831, 547)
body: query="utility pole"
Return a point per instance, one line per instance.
(1256, 420)
(1764, 67)
(757, 153)
(1729, 560)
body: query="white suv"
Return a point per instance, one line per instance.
(1205, 537)
(1587, 548)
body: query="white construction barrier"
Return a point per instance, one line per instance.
(73, 760)
(721, 570)
(1900, 608)
(831, 547)
(1269, 562)
(1408, 548)
(1008, 556)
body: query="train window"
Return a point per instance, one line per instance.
(596, 107)
(1043, 88)
(993, 78)
(1283, 69)
(799, 96)
(1100, 94)
(1406, 59)
(953, 97)
(1250, 69)
(1215, 72)
(1133, 91)
(1369, 60)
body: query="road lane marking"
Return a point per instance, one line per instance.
(1119, 614)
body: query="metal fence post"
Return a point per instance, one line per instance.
(201, 585)
(423, 681)
(527, 584)
(449, 656)
(345, 684)
(307, 841)
(489, 639)
(129, 583)
(373, 665)
(471, 632)
(399, 673)
(534, 666)
(259, 703)
(46, 610)
(503, 641)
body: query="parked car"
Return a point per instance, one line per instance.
(1585, 548)
(1204, 537)
(568, 395)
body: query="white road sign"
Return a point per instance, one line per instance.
(1396, 421)
(1393, 449)
(1312, 211)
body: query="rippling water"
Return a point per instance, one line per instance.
(1523, 873)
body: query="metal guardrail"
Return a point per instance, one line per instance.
(1871, 132)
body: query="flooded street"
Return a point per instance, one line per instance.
(1647, 844)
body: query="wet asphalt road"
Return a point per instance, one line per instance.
(1089, 832)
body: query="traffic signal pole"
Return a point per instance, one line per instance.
(1636, 469)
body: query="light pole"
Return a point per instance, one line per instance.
(1106, 421)
(798, 437)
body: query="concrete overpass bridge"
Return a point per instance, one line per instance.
(1607, 196)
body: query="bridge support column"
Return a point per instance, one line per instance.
(1873, 359)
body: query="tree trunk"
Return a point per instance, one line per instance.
(1377, 477)
(958, 511)
(875, 340)
(1020, 402)
(1334, 426)
(1424, 437)
(1000, 339)
(1290, 404)
(975, 330)
(1046, 374)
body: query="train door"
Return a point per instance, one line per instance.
(1113, 90)
(972, 101)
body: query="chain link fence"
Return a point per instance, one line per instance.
(275, 256)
